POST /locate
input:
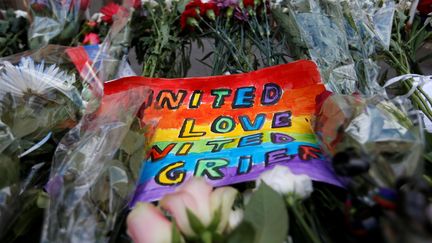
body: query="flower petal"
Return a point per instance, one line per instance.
(146, 224)
(223, 199)
(176, 204)
(200, 190)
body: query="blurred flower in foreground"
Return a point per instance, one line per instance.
(197, 198)
(282, 180)
(146, 224)
(235, 218)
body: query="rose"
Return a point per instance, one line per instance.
(197, 197)
(146, 224)
(235, 218)
(282, 180)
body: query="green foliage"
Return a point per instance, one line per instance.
(156, 37)
(244, 233)
(267, 213)
(13, 34)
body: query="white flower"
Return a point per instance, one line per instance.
(29, 77)
(235, 217)
(20, 13)
(97, 17)
(282, 180)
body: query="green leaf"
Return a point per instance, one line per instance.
(244, 233)
(195, 223)
(181, 5)
(176, 236)
(4, 25)
(133, 142)
(267, 213)
(216, 220)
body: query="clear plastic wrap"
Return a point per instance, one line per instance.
(88, 187)
(95, 164)
(342, 37)
(53, 19)
(39, 102)
(376, 130)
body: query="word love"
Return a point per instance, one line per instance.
(226, 124)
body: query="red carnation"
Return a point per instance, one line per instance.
(194, 4)
(210, 9)
(249, 3)
(109, 11)
(189, 18)
(425, 7)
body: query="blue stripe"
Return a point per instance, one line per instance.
(257, 153)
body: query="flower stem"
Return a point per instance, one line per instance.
(206, 237)
(294, 208)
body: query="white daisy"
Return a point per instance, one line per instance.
(28, 77)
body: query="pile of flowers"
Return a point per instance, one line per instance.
(373, 57)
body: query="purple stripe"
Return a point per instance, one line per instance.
(318, 170)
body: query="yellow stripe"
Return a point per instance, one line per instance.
(299, 125)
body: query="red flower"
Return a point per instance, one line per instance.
(189, 18)
(425, 7)
(249, 3)
(109, 11)
(194, 4)
(209, 6)
(91, 39)
(137, 4)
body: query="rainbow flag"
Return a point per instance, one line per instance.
(228, 129)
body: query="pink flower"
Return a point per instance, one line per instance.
(91, 39)
(223, 199)
(197, 196)
(146, 224)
